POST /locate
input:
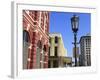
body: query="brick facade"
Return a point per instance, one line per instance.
(36, 24)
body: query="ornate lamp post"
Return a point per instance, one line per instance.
(75, 25)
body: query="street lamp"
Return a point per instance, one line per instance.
(75, 25)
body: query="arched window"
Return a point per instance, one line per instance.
(25, 48)
(39, 44)
(25, 36)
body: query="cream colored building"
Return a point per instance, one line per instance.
(57, 51)
(56, 41)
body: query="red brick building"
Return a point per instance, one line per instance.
(35, 39)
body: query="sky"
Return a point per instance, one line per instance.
(60, 22)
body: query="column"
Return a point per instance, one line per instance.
(52, 47)
(59, 46)
(33, 51)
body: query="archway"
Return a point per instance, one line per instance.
(38, 54)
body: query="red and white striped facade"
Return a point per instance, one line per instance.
(36, 23)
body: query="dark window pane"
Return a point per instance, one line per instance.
(50, 40)
(49, 51)
(35, 15)
(56, 39)
(44, 48)
(25, 36)
(56, 49)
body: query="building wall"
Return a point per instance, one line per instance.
(36, 23)
(61, 51)
(85, 48)
(57, 50)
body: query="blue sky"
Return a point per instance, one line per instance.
(60, 23)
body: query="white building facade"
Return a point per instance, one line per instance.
(85, 51)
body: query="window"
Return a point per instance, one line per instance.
(35, 15)
(49, 40)
(45, 48)
(25, 48)
(56, 39)
(49, 51)
(25, 36)
(56, 51)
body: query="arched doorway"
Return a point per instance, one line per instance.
(38, 54)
